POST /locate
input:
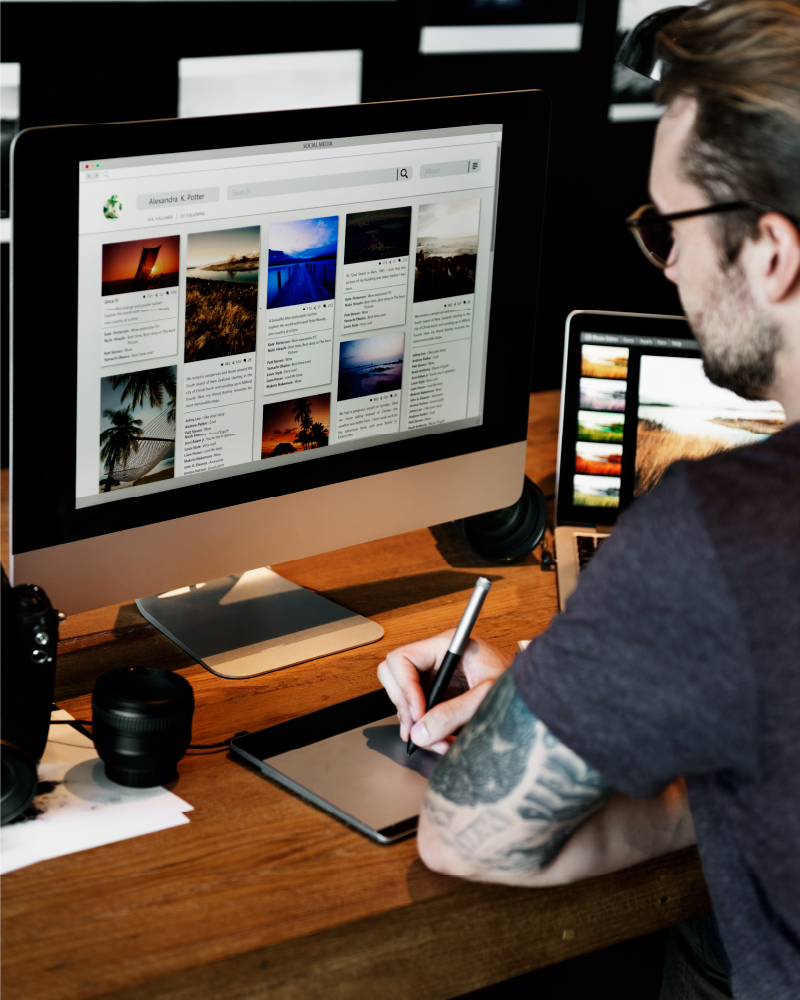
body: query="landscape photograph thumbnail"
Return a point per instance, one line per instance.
(221, 293)
(137, 428)
(595, 491)
(447, 249)
(302, 261)
(377, 235)
(370, 365)
(595, 459)
(298, 424)
(607, 428)
(681, 415)
(605, 394)
(139, 265)
(604, 362)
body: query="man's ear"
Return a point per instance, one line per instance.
(777, 257)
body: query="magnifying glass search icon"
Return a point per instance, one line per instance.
(404, 172)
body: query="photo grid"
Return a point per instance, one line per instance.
(361, 326)
(601, 426)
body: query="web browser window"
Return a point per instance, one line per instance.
(273, 304)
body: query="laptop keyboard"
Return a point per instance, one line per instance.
(586, 546)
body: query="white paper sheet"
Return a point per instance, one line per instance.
(80, 808)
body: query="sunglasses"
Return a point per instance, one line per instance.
(653, 231)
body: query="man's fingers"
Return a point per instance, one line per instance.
(397, 697)
(448, 716)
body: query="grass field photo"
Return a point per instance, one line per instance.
(604, 362)
(681, 415)
(221, 293)
(595, 491)
(606, 427)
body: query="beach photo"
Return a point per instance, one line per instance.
(138, 265)
(681, 415)
(298, 424)
(221, 293)
(607, 428)
(302, 261)
(447, 249)
(595, 491)
(370, 365)
(606, 394)
(604, 362)
(595, 459)
(377, 235)
(137, 428)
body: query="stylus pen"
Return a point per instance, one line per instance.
(452, 657)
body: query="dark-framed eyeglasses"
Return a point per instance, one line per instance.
(653, 231)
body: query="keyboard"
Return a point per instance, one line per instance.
(586, 545)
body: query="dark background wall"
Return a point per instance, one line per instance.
(89, 62)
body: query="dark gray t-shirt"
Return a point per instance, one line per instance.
(679, 654)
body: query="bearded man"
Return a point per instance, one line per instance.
(664, 704)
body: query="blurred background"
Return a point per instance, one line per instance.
(73, 62)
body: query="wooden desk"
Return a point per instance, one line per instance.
(264, 896)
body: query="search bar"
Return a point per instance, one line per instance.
(325, 182)
(450, 168)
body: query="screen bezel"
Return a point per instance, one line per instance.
(630, 324)
(45, 405)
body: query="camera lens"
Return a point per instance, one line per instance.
(17, 782)
(511, 533)
(142, 724)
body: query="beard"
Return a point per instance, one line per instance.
(737, 341)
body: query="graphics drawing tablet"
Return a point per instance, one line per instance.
(350, 761)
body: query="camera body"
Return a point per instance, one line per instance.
(30, 639)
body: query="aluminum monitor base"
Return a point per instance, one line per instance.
(242, 626)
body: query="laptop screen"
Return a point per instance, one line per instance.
(634, 400)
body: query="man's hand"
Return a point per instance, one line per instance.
(405, 669)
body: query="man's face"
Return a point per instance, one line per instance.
(738, 341)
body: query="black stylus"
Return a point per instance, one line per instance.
(453, 655)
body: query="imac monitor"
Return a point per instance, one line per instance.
(245, 339)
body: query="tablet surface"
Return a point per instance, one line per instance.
(349, 760)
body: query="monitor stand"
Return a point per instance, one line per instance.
(241, 626)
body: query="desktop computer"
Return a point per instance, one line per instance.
(245, 339)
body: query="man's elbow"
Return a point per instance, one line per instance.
(438, 852)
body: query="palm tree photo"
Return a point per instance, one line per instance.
(118, 442)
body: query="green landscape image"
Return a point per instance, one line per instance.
(605, 427)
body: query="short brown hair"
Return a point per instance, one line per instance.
(740, 59)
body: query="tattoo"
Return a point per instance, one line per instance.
(509, 794)
(489, 758)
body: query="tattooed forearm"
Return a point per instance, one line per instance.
(509, 794)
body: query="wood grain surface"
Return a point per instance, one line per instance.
(261, 894)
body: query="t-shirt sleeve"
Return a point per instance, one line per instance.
(647, 673)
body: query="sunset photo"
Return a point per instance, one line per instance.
(138, 265)
(296, 424)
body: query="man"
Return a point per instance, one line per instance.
(666, 699)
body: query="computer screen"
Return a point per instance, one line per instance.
(318, 308)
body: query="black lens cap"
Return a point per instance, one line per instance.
(142, 724)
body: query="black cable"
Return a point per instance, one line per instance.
(80, 723)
